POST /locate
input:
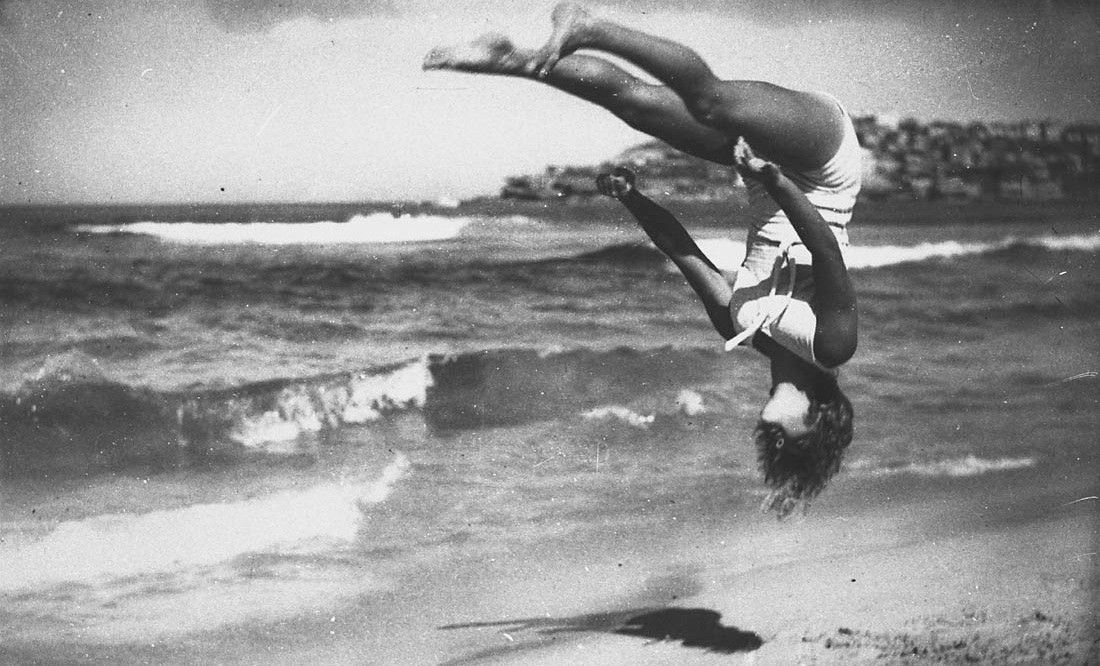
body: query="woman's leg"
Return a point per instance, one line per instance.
(794, 128)
(652, 109)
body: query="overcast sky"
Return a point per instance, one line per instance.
(324, 100)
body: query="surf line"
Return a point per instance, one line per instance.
(1083, 499)
(1081, 375)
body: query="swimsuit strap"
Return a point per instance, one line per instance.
(762, 318)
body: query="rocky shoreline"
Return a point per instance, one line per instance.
(907, 159)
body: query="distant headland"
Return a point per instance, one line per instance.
(907, 159)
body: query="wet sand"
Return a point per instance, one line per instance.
(998, 568)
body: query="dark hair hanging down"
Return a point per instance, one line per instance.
(799, 468)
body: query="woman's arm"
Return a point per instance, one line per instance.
(670, 237)
(811, 227)
(834, 300)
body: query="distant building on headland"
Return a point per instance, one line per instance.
(1032, 160)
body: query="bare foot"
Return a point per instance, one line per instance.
(492, 53)
(570, 23)
(618, 184)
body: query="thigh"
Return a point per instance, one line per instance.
(653, 109)
(795, 128)
(659, 112)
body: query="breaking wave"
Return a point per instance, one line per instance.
(372, 228)
(121, 545)
(620, 413)
(71, 417)
(969, 465)
(727, 254)
(510, 386)
(268, 414)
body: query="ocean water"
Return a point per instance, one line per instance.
(209, 425)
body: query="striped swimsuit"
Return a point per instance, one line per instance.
(763, 294)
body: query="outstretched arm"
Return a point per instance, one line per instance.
(834, 301)
(811, 227)
(670, 237)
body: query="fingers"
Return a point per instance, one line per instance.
(544, 70)
(745, 158)
(741, 152)
(603, 184)
(547, 64)
(751, 166)
(618, 184)
(625, 174)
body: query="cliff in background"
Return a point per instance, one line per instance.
(1038, 161)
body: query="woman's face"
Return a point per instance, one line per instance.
(789, 408)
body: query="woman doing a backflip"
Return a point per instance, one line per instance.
(792, 298)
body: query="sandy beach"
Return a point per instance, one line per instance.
(990, 570)
(996, 569)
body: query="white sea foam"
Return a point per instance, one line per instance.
(628, 416)
(373, 228)
(862, 256)
(1089, 243)
(301, 409)
(370, 395)
(120, 545)
(969, 465)
(727, 253)
(690, 403)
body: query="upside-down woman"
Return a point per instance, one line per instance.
(792, 298)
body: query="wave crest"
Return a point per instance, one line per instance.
(728, 254)
(372, 228)
(970, 465)
(72, 418)
(122, 545)
(620, 413)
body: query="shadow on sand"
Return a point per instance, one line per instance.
(693, 627)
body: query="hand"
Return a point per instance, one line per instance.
(618, 184)
(751, 166)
